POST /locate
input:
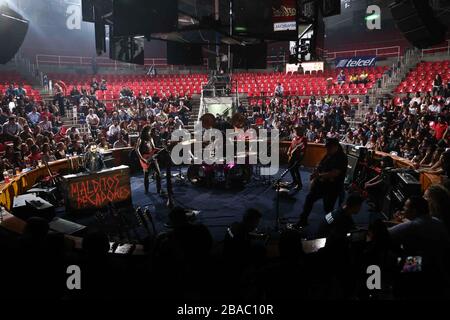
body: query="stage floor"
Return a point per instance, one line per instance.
(220, 207)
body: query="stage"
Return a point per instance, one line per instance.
(218, 207)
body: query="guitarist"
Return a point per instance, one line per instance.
(327, 180)
(296, 153)
(147, 151)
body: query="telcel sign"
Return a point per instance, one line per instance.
(355, 62)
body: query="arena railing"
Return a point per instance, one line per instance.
(61, 61)
(440, 49)
(385, 52)
(29, 67)
(397, 71)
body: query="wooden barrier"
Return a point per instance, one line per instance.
(20, 184)
(23, 182)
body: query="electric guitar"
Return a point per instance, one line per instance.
(294, 150)
(152, 155)
(147, 158)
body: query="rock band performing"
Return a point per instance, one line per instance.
(326, 180)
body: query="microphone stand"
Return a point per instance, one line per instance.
(277, 199)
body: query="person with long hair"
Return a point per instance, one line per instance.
(296, 153)
(146, 149)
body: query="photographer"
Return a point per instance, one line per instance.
(337, 224)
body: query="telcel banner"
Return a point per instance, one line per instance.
(355, 62)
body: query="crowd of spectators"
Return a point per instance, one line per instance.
(31, 132)
(415, 128)
(322, 116)
(184, 262)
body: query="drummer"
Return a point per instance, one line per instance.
(238, 121)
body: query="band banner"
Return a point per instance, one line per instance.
(284, 16)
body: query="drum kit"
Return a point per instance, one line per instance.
(235, 172)
(229, 173)
(238, 171)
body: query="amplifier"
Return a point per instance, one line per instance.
(29, 205)
(393, 176)
(401, 184)
(346, 147)
(109, 163)
(357, 151)
(352, 170)
(388, 207)
(408, 185)
(133, 139)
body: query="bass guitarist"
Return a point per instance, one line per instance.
(327, 181)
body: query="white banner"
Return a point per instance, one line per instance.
(307, 66)
(285, 26)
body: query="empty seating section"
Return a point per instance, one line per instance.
(8, 77)
(161, 84)
(421, 78)
(315, 83)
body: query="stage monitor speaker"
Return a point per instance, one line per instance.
(184, 54)
(29, 205)
(250, 56)
(13, 29)
(416, 20)
(331, 8)
(252, 17)
(138, 17)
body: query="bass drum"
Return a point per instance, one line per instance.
(239, 173)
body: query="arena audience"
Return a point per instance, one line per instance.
(34, 124)
(184, 258)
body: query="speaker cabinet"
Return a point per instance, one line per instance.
(416, 20)
(13, 29)
(184, 54)
(352, 169)
(331, 7)
(139, 17)
(250, 56)
(29, 205)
